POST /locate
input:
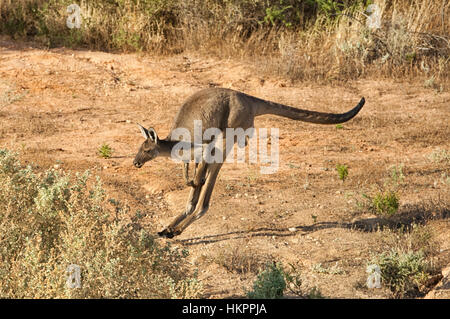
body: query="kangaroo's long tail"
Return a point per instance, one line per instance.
(267, 107)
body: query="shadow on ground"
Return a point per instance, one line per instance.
(404, 219)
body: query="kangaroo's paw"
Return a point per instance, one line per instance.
(192, 184)
(168, 233)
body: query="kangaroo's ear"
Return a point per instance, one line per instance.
(152, 135)
(144, 131)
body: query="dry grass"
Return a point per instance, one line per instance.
(241, 259)
(290, 38)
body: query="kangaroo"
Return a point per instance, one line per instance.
(218, 108)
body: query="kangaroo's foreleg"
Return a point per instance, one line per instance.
(192, 182)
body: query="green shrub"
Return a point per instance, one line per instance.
(51, 220)
(270, 283)
(386, 203)
(403, 272)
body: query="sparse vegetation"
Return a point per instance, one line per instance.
(47, 97)
(9, 95)
(384, 200)
(241, 260)
(406, 261)
(439, 155)
(51, 220)
(397, 176)
(413, 238)
(315, 293)
(333, 270)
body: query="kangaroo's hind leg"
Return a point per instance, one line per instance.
(203, 201)
(193, 198)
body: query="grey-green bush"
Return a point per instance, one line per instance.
(270, 283)
(51, 220)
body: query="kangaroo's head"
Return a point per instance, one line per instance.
(149, 149)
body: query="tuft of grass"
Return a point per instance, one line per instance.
(274, 280)
(397, 176)
(241, 260)
(105, 151)
(385, 201)
(411, 238)
(342, 171)
(315, 293)
(333, 270)
(439, 155)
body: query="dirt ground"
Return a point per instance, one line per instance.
(58, 106)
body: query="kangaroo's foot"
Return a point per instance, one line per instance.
(191, 183)
(168, 233)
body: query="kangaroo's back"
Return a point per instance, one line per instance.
(221, 108)
(210, 106)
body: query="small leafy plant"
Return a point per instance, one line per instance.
(342, 171)
(105, 151)
(386, 203)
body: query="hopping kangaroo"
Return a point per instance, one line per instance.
(218, 108)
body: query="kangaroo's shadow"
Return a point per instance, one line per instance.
(257, 232)
(404, 219)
